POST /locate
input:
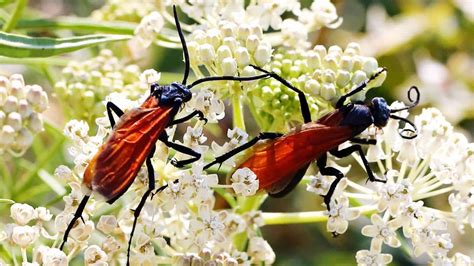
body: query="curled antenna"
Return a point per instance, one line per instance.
(408, 133)
(413, 102)
(411, 133)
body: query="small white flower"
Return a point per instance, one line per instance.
(208, 226)
(372, 258)
(394, 195)
(319, 184)
(43, 214)
(244, 182)
(340, 214)
(149, 28)
(150, 76)
(54, 257)
(24, 235)
(94, 255)
(22, 213)
(107, 224)
(260, 251)
(382, 231)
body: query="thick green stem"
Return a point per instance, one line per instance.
(11, 23)
(238, 114)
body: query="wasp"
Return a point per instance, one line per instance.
(132, 142)
(281, 160)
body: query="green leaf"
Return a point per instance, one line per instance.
(12, 45)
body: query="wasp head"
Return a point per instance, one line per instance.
(380, 111)
(171, 94)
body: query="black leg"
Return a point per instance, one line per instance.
(77, 215)
(261, 136)
(359, 88)
(112, 107)
(324, 170)
(303, 102)
(206, 79)
(357, 148)
(188, 117)
(136, 212)
(364, 141)
(183, 44)
(182, 149)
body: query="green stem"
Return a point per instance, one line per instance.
(273, 218)
(238, 114)
(11, 23)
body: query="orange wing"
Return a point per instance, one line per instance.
(276, 162)
(116, 164)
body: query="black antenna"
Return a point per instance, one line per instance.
(413, 102)
(361, 86)
(206, 79)
(185, 48)
(412, 133)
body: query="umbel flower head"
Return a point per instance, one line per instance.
(85, 84)
(20, 113)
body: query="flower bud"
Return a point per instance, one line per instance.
(222, 52)
(229, 66)
(3, 94)
(213, 37)
(230, 42)
(11, 104)
(329, 76)
(263, 54)
(343, 78)
(2, 118)
(346, 63)
(206, 53)
(252, 43)
(14, 120)
(243, 57)
(24, 138)
(330, 62)
(358, 77)
(321, 50)
(35, 123)
(16, 85)
(353, 47)
(335, 51)
(369, 65)
(7, 135)
(313, 87)
(24, 108)
(328, 91)
(243, 32)
(314, 60)
(228, 29)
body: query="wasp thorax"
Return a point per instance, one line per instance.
(171, 93)
(380, 111)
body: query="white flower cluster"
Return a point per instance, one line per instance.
(323, 74)
(20, 113)
(29, 224)
(86, 84)
(437, 162)
(123, 10)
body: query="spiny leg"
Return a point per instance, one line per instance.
(359, 88)
(112, 107)
(324, 170)
(183, 44)
(188, 117)
(261, 136)
(183, 149)
(77, 215)
(357, 148)
(303, 102)
(136, 212)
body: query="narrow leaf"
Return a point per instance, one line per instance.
(12, 45)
